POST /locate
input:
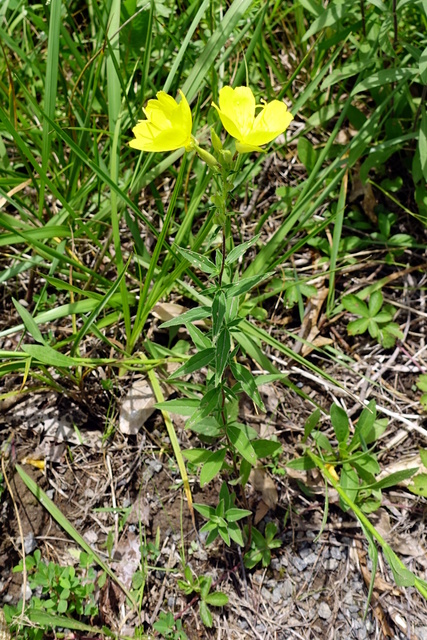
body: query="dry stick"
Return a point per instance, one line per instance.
(21, 533)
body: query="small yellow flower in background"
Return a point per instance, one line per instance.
(167, 127)
(237, 112)
(331, 469)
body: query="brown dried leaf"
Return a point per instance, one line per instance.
(262, 483)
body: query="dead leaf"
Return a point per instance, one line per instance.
(262, 483)
(402, 464)
(165, 311)
(137, 407)
(140, 511)
(127, 559)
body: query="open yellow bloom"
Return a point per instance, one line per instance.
(237, 112)
(167, 127)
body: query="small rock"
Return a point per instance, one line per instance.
(362, 634)
(336, 553)
(299, 564)
(156, 465)
(265, 593)
(331, 564)
(324, 611)
(311, 558)
(276, 595)
(287, 588)
(275, 564)
(90, 536)
(30, 543)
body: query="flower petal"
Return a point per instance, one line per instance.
(237, 106)
(273, 120)
(167, 127)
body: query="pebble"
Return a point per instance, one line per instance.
(311, 558)
(30, 543)
(276, 596)
(156, 465)
(324, 611)
(299, 564)
(265, 593)
(336, 553)
(287, 588)
(331, 564)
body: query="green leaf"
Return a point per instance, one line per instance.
(366, 465)
(423, 66)
(180, 406)
(422, 382)
(200, 340)
(311, 423)
(242, 444)
(223, 532)
(196, 456)
(322, 441)
(235, 533)
(419, 484)
(423, 456)
(204, 510)
(246, 284)
(422, 143)
(222, 354)
(328, 18)
(349, 481)
(394, 478)
(383, 316)
(241, 249)
(355, 305)
(29, 322)
(205, 586)
(365, 431)
(198, 261)
(375, 303)
(212, 466)
(402, 576)
(383, 78)
(210, 401)
(248, 383)
(205, 614)
(208, 427)
(53, 621)
(234, 514)
(218, 312)
(199, 313)
(196, 362)
(357, 327)
(265, 448)
(301, 464)
(306, 153)
(339, 421)
(217, 599)
(51, 357)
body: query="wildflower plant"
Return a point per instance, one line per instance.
(214, 415)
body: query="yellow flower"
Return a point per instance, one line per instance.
(237, 112)
(167, 127)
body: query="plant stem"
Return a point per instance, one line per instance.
(223, 255)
